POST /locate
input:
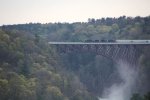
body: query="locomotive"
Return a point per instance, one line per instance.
(100, 40)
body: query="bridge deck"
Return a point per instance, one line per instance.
(110, 43)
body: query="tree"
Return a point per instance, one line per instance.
(136, 96)
(53, 93)
(147, 96)
(4, 89)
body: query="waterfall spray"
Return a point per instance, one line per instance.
(123, 90)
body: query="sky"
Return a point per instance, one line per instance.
(45, 11)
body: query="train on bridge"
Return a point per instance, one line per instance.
(106, 42)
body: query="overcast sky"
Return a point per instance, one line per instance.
(44, 11)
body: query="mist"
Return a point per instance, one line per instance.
(123, 90)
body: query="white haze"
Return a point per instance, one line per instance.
(123, 90)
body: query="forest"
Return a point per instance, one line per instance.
(31, 69)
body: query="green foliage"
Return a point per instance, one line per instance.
(104, 28)
(147, 96)
(137, 96)
(53, 93)
(31, 69)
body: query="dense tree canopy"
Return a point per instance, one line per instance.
(31, 69)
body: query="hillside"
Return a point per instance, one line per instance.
(31, 69)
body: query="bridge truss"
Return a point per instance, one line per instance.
(128, 52)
